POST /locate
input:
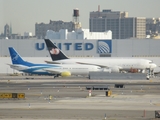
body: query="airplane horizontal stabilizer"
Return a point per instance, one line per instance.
(52, 62)
(12, 65)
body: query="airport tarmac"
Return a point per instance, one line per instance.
(70, 99)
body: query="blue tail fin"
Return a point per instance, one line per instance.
(15, 57)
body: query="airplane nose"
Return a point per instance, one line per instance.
(153, 65)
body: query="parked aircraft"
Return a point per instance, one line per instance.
(115, 64)
(49, 69)
(157, 71)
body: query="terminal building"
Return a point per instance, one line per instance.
(36, 51)
(85, 48)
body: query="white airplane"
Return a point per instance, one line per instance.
(49, 69)
(157, 71)
(115, 64)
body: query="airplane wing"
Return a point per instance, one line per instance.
(49, 70)
(61, 73)
(52, 62)
(113, 68)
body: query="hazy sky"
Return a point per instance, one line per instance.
(23, 14)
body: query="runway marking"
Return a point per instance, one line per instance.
(72, 84)
(36, 94)
(140, 90)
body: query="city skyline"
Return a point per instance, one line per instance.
(24, 14)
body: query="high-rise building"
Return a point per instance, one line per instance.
(153, 26)
(119, 23)
(6, 30)
(140, 27)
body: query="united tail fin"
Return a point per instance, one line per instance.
(54, 51)
(16, 58)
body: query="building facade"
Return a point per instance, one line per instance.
(36, 50)
(153, 27)
(140, 27)
(78, 34)
(85, 48)
(41, 29)
(119, 23)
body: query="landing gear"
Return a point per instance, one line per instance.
(56, 75)
(150, 73)
(89, 77)
(147, 77)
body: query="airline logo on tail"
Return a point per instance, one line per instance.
(104, 46)
(54, 51)
(15, 57)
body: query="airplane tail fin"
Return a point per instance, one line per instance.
(54, 51)
(15, 57)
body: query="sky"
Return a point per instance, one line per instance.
(24, 14)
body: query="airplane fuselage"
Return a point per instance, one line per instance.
(42, 69)
(122, 63)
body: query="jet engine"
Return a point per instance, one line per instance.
(115, 70)
(111, 70)
(65, 74)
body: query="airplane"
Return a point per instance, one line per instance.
(56, 70)
(115, 64)
(157, 71)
